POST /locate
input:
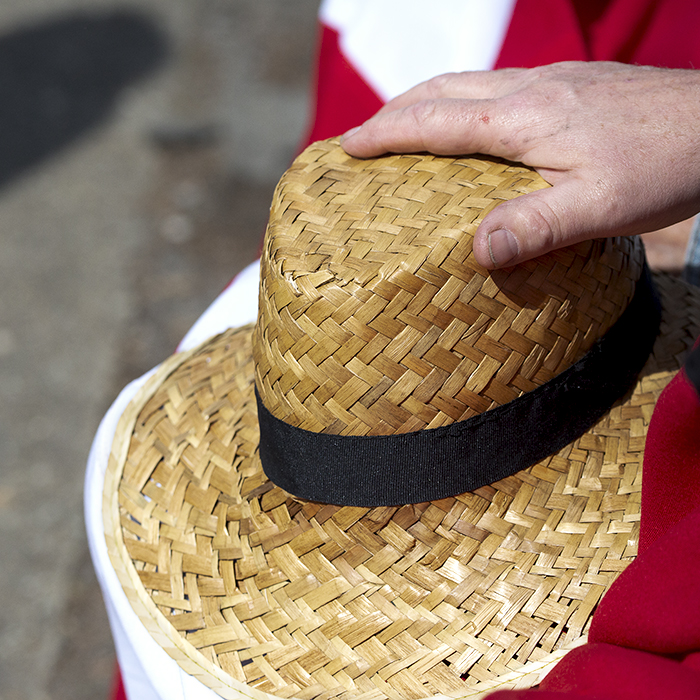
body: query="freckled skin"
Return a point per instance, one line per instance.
(620, 144)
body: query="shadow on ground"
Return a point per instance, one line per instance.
(61, 78)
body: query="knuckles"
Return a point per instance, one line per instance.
(442, 86)
(535, 224)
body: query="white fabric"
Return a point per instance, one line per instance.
(396, 44)
(148, 672)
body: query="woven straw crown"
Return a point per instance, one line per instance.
(369, 284)
(375, 319)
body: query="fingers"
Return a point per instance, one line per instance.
(536, 223)
(593, 130)
(442, 127)
(430, 115)
(472, 85)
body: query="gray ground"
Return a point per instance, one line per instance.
(138, 152)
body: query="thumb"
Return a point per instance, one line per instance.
(534, 224)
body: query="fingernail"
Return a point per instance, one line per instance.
(349, 133)
(503, 247)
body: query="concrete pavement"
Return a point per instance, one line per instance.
(128, 214)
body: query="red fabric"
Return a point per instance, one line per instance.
(648, 32)
(541, 32)
(672, 39)
(118, 692)
(655, 604)
(674, 440)
(343, 99)
(608, 672)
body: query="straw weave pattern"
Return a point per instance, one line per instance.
(262, 596)
(376, 319)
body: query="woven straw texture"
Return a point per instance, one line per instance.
(260, 595)
(376, 319)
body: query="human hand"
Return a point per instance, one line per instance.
(620, 144)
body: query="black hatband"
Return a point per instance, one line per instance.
(430, 464)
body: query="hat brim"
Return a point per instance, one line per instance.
(259, 594)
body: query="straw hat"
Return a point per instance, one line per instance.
(381, 345)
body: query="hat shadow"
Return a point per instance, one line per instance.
(61, 77)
